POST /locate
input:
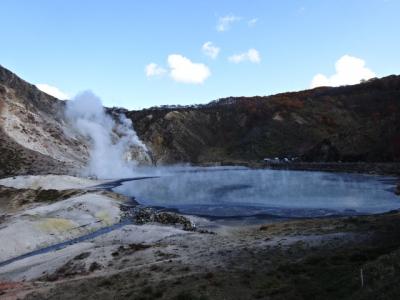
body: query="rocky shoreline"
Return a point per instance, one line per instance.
(390, 169)
(361, 167)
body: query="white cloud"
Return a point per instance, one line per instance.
(52, 90)
(153, 69)
(349, 70)
(224, 23)
(252, 22)
(252, 55)
(210, 50)
(184, 70)
(301, 10)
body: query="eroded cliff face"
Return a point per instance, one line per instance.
(33, 131)
(361, 121)
(37, 136)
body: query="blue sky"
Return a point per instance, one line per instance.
(265, 47)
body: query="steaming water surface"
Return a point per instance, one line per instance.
(229, 192)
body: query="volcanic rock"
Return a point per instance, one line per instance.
(150, 215)
(324, 151)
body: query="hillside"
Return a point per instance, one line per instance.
(34, 137)
(351, 123)
(358, 123)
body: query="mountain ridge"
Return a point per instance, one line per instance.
(283, 125)
(357, 123)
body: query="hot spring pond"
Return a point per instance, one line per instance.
(240, 192)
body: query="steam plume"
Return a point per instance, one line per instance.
(111, 141)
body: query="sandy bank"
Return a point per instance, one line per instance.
(57, 182)
(49, 224)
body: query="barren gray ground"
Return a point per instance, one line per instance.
(299, 259)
